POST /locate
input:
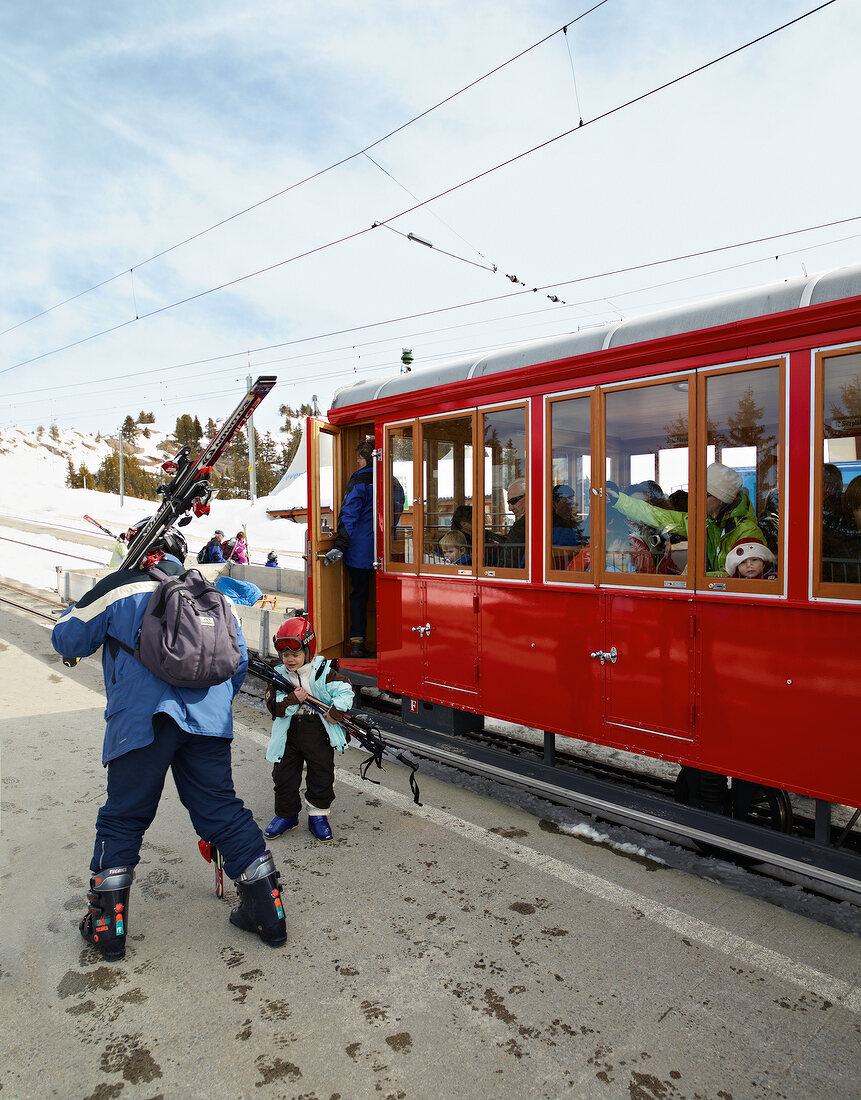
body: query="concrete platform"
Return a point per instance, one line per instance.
(460, 949)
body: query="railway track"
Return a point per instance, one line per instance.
(47, 604)
(830, 867)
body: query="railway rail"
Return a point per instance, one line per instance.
(828, 864)
(826, 861)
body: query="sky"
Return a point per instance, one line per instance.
(160, 245)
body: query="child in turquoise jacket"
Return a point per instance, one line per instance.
(301, 737)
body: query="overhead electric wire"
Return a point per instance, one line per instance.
(307, 179)
(425, 202)
(486, 301)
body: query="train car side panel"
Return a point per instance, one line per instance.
(780, 697)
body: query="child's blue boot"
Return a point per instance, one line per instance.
(319, 826)
(278, 826)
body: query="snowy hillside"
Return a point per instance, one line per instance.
(33, 471)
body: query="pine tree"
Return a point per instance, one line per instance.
(188, 431)
(129, 430)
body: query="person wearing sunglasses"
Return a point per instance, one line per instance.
(301, 737)
(511, 554)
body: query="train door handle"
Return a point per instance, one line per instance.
(423, 630)
(604, 656)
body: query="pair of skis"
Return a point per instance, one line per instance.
(188, 490)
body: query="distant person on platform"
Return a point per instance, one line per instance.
(120, 550)
(153, 727)
(240, 549)
(354, 542)
(272, 559)
(213, 551)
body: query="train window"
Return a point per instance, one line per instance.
(448, 488)
(739, 535)
(398, 489)
(326, 482)
(568, 480)
(502, 532)
(837, 475)
(646, 487)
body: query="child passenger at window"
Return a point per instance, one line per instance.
(455, 548)
(751, 561)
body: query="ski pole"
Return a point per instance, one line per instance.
(96, 523)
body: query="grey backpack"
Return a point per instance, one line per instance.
(188, 635)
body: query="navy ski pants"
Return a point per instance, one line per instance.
(204, 781)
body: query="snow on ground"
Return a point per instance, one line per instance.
(33, 487)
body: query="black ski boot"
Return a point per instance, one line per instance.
(260, 909)
(105, 924)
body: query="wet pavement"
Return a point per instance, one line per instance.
(458, 949)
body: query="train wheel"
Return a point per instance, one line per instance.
(761, 805)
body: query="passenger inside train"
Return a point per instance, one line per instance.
(730, 516)
(751, 561)
(455, 549)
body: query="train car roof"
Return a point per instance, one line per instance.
(827, 286)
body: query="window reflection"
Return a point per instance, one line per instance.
(399, 490)
(647, 507)
(840, 471)
(326, 482)
(742, 502)
(447, 464)
(506, 491)
(570, 484)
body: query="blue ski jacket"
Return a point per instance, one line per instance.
(355, 535)
(116, 607)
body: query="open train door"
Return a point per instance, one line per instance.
(326, 582)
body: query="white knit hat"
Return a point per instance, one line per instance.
(745, 550)
(722, 482)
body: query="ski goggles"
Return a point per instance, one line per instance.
(289, 643)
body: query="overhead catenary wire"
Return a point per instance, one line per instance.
(419, 205)
(649, 265)
(310, 178)
(373, 369)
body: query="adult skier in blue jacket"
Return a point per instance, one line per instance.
(354, 541)
(152, 726)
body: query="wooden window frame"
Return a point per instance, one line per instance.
(567, 575)
(391, 566)
(736, 585)
(495, 572)
(659, 581)
(819, 589)
(440, 569)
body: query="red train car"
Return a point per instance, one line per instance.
(559, 524)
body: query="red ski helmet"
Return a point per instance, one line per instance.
(296, 633)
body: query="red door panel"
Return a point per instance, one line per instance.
(649, 687)
(535, 667)
(450, 637)
(399, 648)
